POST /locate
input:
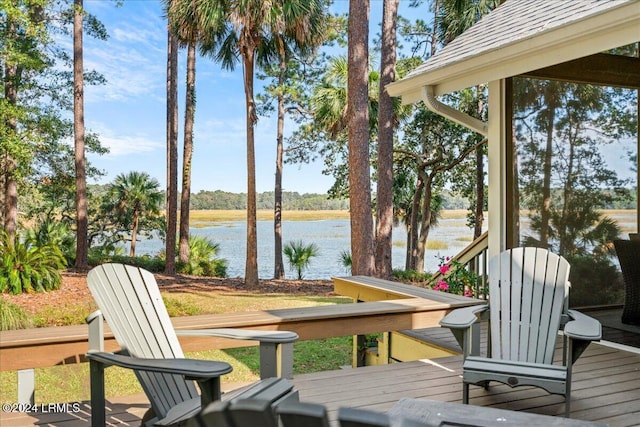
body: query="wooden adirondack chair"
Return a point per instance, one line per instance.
(528, 305)
(131, 303)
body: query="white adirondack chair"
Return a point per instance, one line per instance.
(131, 303)
(528, 305)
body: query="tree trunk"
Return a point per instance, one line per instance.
(358, 134)
(78, 138)
(172, 153)
(412, 250)
(187, 153)
(425, 225)
(134, 233)
(11, 78)
(545, 211)
(386, 120)
(278, 270)
(251, 266)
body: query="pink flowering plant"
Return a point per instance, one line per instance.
(455, 278)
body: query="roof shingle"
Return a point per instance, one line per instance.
(514, 21)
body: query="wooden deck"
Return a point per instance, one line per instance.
(606, 388)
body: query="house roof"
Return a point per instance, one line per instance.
(521, 36)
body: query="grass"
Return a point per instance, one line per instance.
(70, 383)
(70, 314)
(205, 216)
(437, 244)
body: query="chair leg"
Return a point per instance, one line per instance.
(465, 393)
(98, 410)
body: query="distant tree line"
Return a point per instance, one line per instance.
(218, 199)
(292, 200)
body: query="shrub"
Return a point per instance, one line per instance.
(412, 276)
(26, 267)
(594, 281)
(13, 317)
(456, 279)
(152, 264)
(299, 255)
(49, 231)
(346, 261)
(202, 259)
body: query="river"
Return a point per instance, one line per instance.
(331, 236)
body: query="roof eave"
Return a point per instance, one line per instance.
(617, 27)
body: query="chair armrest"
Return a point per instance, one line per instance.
(278, 337)
(190, 368)
(463, 318)
(582, 327)
(276, 347)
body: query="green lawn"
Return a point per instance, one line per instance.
(70, 383)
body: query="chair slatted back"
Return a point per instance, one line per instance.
(131, 303)
(528, 295)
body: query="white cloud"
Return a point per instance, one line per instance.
(122, 145)
(132, 60)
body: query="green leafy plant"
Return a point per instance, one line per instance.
(25, 267)
(13, 317)
(412, 276)
(346, 261)
(299, 255)
(202, 259)
(48, 231)
(456, 278)
(152, 264)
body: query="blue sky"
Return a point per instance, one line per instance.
(129, 111)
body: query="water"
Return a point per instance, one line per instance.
(331, 236)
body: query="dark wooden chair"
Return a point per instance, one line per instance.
(628, 252)
(353, 417)
(303, 414)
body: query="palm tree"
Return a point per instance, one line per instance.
(299, 255)
(304, 33)
(386, 126)
(249, 35)
(184, 25)
(135, 193)
(362, 249)
(172, 149)
(78, 137)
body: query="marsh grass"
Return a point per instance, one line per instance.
(207, 216)
(437, 244)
